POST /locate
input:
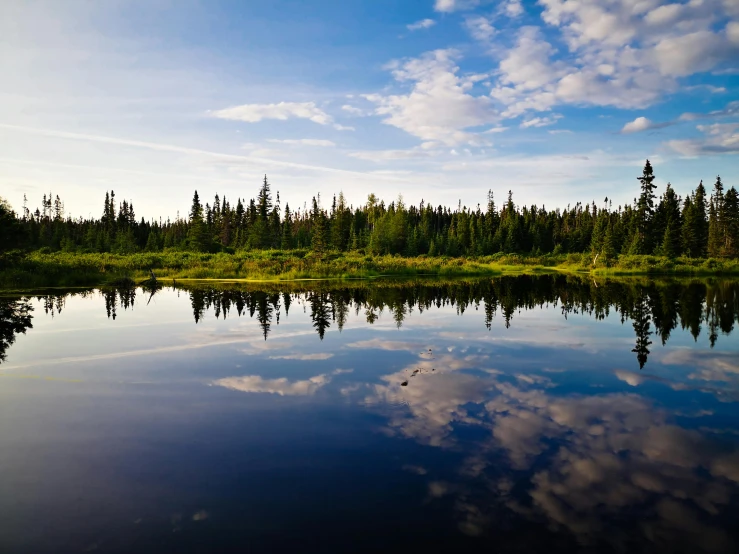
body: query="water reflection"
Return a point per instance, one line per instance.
(655, 308)
(614, 471)
(15, 318)
(509, 413)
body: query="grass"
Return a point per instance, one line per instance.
(36, 269)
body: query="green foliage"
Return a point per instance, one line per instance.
(695, 228)
(11, 230)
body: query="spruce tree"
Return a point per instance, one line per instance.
(716, 231)
(318, 228)
(197, 233)
(668, 224)
(731, 223)
(701, 220)
(264, 209)
(645, 211)
(287, 239)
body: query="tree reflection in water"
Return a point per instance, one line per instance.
(15, 318)
(655, 308)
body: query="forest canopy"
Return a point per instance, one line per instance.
(699, 225)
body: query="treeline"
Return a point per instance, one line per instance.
(698, 226)
(655, 309)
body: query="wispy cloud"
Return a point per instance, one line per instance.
(304, 357)
(253, 113)
(448, 6)
(180, 150)
(303, 142)
(422, 24)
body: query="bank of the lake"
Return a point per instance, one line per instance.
(40, 269)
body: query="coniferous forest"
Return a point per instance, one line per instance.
(703, 224)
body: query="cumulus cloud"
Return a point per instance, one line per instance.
(422, 24)
(513, 8)
(620, 53)
(253, 113)
(439, 106)
(643, 124)
(479, 27)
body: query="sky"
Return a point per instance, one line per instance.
(438, 100)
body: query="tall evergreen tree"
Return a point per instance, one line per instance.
(731, 223)
(645, 211)
(197, 234)
(716, 231)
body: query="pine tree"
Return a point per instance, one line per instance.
(287, 238)
(318, 228)
(690, 243)
(645, 211)
(668, 224)
(609, 245)
(716, 231)
(264, 210)
(731, 223)
(701, 221)
(197, 234)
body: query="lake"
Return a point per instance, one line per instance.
(514, 414)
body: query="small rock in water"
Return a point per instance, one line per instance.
(404, 384)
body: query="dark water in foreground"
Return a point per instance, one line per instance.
(514, 415)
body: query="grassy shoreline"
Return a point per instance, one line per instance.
(38, 269)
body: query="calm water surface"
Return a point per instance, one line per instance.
(509, 415)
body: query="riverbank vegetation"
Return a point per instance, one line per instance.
(38, 269)
(258, 239)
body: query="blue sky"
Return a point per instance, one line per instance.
(439, 100)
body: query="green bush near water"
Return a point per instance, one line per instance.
(41, 269)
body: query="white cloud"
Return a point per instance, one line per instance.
(389, 155)
(422, 24)
(540, 121)
(480, 28)
(340, 127)
(281, 386)
(679, 56)
(353, 110)
(731, 109)
(304, 142)
(622, 53)
(304, 357)
(253, 113)
(513, 8)
(720, 138)
(439, 107)
(643, 124)
(449, 6)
